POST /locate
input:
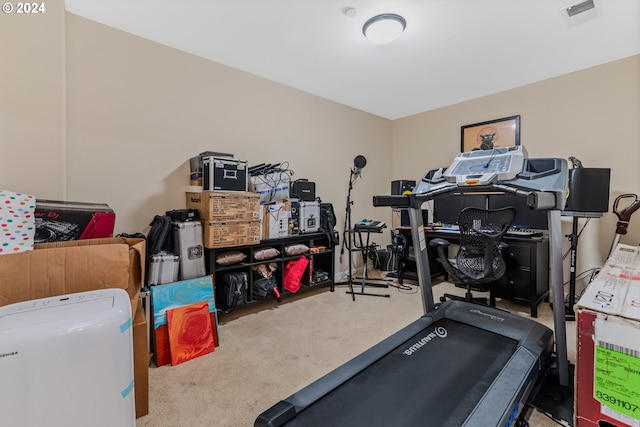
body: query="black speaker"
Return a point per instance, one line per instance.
(401, 186)
(303, 189)
(588, 190)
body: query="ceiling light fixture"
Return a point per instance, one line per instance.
(384, 28)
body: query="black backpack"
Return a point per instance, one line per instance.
(159, 237)
(328, 222)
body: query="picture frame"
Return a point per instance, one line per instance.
(504, 132)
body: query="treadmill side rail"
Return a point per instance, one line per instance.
(512, 388)
(277, 415)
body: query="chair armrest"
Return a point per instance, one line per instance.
(439, 242)
(503, 245)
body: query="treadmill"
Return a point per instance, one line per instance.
(459, 364)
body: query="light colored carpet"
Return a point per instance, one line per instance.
(269, 351)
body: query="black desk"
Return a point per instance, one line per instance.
(527, 276)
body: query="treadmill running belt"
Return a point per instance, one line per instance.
(417, 383)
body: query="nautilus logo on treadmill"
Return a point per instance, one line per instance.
(438, 332)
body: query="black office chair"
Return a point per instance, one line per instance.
(479, 259)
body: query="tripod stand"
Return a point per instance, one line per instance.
(363, 249)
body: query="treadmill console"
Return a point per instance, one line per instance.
(483, 167)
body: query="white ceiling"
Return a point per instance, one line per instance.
(451, 51)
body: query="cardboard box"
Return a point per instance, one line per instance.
(218, 206)
(272, 187)
(275, 220)
(223, 234)
(83, 265)
(141, 358)
(58, 221)
(608, 344)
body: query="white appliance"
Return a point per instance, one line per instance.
(67, 361)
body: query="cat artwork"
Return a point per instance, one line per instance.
(486, 142)
(487, 138)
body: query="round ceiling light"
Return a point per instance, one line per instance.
(384, 28)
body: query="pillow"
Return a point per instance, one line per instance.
(230, 257)
(296, 249)
(265, 253)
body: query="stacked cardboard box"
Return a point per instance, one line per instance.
(608, 344)
(228, 219)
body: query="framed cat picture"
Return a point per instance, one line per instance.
(492, 134)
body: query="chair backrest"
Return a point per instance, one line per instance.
(481, 230)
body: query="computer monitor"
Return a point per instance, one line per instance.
(525, 216)
(447, 207)
(404, 217)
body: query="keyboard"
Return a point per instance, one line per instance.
(369, 225)
(523, 232)
(512, 232)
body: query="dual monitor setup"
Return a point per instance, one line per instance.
(445, 208)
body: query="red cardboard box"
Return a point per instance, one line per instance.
(58, 221)
(608, 344)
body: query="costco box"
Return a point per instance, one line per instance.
(60, 268)
(58, 221)
(608, 344)
(275, 220)
(222, 234)
(221, 206)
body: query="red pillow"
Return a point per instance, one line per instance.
(293, 272)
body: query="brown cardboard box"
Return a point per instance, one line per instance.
(275, 218)
(223, 234)
(141, 359)
(61, 268)
(217, 206)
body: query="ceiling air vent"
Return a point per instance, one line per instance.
(580, 7)
(580, 12)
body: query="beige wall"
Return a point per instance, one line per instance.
(32, 102)
(137, 111)
(90, 113)
(591, 114)
(100, 115)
